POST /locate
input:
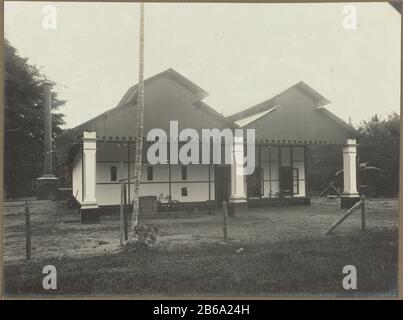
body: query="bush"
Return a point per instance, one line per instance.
(145, 238)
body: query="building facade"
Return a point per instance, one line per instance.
(100, 153)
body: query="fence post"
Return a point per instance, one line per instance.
(27, 232)
(125, 211)
(121, 203)
(224, 212)
(363, 212)
(121, 212)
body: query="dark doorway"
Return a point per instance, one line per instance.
(286, 181)
(222, 175)
(254, 185)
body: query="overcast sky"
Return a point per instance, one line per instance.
(241, 54)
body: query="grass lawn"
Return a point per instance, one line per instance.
(284, 253)
(289, 267)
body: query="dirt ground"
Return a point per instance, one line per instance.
(57, 232)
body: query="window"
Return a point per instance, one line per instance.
(184, 173)
(295, 181)
(184, 192)
(150, 173)
(114, 170)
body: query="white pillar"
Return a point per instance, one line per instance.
(89, 170)
(350, 194)
(237, 199)
(349, 168)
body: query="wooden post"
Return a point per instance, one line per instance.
(344, 217)
(27, 232)
(363, 212)
(224, 212)
(122, 190)
(128, 172)
(140, 128)
(125, 202)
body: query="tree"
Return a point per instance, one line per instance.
(139, 137)
(379, 146)
(23, 135)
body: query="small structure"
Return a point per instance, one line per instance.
(47, 184)
(284, 128)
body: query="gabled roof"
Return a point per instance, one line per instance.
(130, 97)
(131, 94)
(260, 110)
(331, 115)
(272, 102)
(320, 100)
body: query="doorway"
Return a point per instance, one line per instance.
(286, 181)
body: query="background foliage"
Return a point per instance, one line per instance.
(23, 135)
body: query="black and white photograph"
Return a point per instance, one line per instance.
(201, 150)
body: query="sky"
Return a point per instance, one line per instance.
(241, 54)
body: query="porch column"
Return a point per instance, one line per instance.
(237, 200)
(89, 207)
(350, 195)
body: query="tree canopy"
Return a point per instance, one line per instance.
(23, 135)
(380, 146)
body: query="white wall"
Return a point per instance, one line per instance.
(108, 192)
(77, 175)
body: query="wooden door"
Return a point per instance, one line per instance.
(286, 181)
